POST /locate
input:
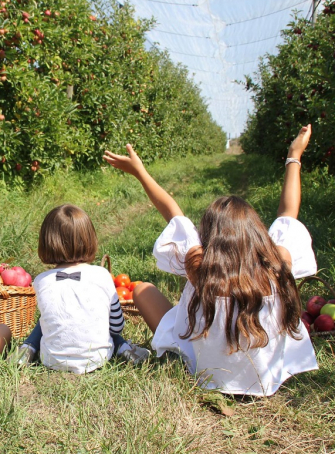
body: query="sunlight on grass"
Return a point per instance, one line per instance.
(156, 408)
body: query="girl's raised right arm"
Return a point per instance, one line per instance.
(289, 204)
(133, 165)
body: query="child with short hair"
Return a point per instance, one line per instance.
(237, 325)
(81, 317)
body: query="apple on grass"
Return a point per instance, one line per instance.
(314, 305)
(323, 322)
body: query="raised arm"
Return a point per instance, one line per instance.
(133, 165)
(289, 204)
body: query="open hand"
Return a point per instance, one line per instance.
(300, 143)
(130, 164)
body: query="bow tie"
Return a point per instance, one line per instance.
(60, 276)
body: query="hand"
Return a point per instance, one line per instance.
(131, 164)
(300, 143)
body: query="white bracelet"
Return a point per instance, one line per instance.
(289, 160)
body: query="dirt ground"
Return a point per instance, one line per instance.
(234, 147)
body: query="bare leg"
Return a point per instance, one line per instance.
(151, 303)
(5, 336)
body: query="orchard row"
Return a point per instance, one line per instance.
(297, 87)
(75, 82)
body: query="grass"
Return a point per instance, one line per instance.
(156, 408)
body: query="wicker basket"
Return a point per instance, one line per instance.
(17, 308)
(316, 278)
(128, 306)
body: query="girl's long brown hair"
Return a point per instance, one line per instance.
(239, 261)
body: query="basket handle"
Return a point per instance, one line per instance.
(107, 259)
(316, 278)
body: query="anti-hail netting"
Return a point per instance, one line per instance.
(220, 41)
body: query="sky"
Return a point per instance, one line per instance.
(220, 41)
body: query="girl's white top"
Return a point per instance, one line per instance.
(75, 318)
(258, 371)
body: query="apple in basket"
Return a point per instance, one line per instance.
(324, 322)
(16, 276)
(329, 309)
(123, 292)
(314, 305)
(134, 284)
(3, 266)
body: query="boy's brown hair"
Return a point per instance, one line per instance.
(67, 235)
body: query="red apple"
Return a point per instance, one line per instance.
(323, 323)
(314, 305)
(2, 117)
(47, 12)
(307, 325)
(19, 270)
(9, 277)
(23, 280)
(3, 267)
(307, 317)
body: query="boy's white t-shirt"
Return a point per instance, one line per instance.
(258, 371)
(75, 318)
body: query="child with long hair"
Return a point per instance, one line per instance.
(237, 325)
(81, 317)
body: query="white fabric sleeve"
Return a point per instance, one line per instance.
(174, 242)
(293, 236)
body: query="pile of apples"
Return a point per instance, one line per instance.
(124, 286)
(16, 276)
(319, 314)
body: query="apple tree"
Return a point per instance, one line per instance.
(294, 88)
(75, 79)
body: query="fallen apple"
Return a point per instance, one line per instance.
(314, 305)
